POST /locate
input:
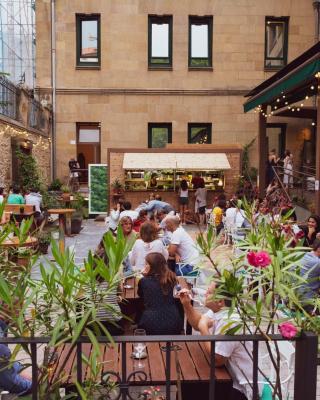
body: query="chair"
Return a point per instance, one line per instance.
(287, 351)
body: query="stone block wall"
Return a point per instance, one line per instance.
(41, 150)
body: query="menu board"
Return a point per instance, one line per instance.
(98, 188)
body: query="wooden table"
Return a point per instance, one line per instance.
(14, 242)
(64, 213)
(193, 363)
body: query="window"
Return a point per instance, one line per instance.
(88, 40)
(159, 135)
(160, 41)
(276, 42)
(199, 133)
(200, 42)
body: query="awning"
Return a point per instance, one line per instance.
(184, 161)
(294, 79)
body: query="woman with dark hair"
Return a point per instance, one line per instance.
(311, 230)
(161, 315)
(148, 243)
(183, 199)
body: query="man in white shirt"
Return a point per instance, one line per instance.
(234, 355)
(34, 198)
(128, 212)
(182, 246)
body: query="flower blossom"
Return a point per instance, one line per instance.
(288, 330)
(259, 259)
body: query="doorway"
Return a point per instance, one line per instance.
(88, 146)
(276, 138)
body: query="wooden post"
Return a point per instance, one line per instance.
(317, 193)
(262, 144)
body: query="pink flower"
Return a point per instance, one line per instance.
(251, 257)
(288, 330)
(299, 235)
(259, 259)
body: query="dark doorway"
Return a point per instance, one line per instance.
(276, 138)
(88, 146)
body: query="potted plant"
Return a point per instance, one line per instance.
(65, 192)
(55, 185)
(117, 186)
(77, 216)
(44, 239)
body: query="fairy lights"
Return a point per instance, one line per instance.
(42, 142)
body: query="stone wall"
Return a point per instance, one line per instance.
(124, 95)
(40, 150)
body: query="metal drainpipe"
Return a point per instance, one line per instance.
(53, 84)
(316, 6)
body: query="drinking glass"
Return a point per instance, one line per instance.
(139, 347)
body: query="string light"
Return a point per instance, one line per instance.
(313, 123)
(8, 130)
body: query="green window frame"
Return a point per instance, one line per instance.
(200, 133)
(195, 58)
(159, 61)
(276, 42)
(87, 59)
(155, 130)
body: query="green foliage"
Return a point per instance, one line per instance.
(264, 297)
(62, 305)
(28, 171)
(98, 189)
(55, 185)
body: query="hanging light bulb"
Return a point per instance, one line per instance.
(313, 123)
(307, 97)
(312, 87)
(301, 105)
(278, 100)
(286, 103)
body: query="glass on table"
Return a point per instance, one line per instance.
(139, 348)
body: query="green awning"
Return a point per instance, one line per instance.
(298, 77)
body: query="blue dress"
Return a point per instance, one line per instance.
(162, 314)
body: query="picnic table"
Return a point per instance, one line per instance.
(192, 365)
(15, 242)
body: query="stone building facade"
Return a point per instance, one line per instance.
(123, 93)
(26, 125)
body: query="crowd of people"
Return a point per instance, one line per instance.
(162, 250)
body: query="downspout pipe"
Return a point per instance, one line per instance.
(316, 7)
(53, 85)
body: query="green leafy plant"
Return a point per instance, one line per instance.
(29, 176)
(263, 281)
(55, 185)
(65, 189)
(62, 305)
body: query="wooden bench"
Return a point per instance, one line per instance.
(15, 208)
(192, 360)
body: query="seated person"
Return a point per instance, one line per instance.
(162, 216)
(12, 376)
(155, 205)
(127, 212)
(235, 355)
(148, 243)
(34, 198)
(310, 271)
(161, 315)
(15, 197)
(182, 247)
(113, 219)
(143, 217)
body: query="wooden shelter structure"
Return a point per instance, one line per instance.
(278, 96)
